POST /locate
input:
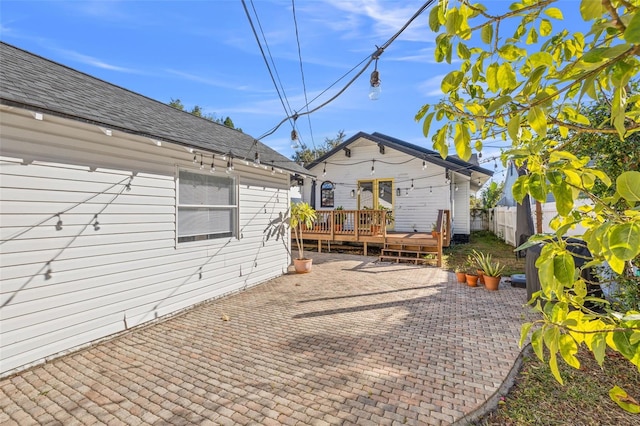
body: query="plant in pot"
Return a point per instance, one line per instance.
(434, 230)
(302, 214)
(481, 259)
(460, 274)
(339, 218)
(492, 271)
(471, 272)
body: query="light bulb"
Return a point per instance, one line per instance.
(374, 92)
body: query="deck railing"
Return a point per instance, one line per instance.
(351, 222)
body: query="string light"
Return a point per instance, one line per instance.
(256, 160)
(456, 187)
(398, 192)
(229, 166)
(373, 167)
(353, 193)
(273, 169)
(59, 223)
(424, 164)
(324, 170)
(201, 162)
(47, 274)
(375, 89)
(96, 224)
(382, 191)
(213, 166)
(430, 189)
(195, 158)
(412, 184)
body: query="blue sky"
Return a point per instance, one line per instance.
(205, 53)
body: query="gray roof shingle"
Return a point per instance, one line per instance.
(32, 82)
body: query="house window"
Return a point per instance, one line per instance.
(207, 206)
(326, 194)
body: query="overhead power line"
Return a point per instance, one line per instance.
(379, 51)
(304, 86)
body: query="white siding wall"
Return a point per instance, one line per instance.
(417, 210)
(461, 210)
(129, 271)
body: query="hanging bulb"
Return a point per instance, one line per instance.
(96, 224)
(201, 162)
(424, 165)
(373, 167)
(412, 184)
(495, 165)
(195, 158)
(456, 187)
(406, 191)
(213, 166)
(229, 168)
(353, 193)
(398, 192)
(59, 223)
(324, 170)
(256, 160)
(273, 171)
(430, 189)
(480, 154)
(375, 89)
(47, 274)
(382, 192)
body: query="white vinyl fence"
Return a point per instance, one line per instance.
(502, 221)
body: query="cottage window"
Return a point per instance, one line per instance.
(326, 194)
(207, 206)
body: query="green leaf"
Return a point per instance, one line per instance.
(537, 187)
(599, 347)
(554, 12)
(564, 198)
(628, 186)
(553, 364)
(620, 397)
(518, 189)
(545, 28)
(513, 128)
(507, 77)
(462, 140)
(427, 124)
(590, 9)
(536, 344)
(632, 33)
(486, 34)
(532, 37)
(568, 350)
(564, 268)
(434, 19)
(537, 120)
(495, 105)
(624, 240)
(451, 81)
(492, 77)
(524, 332)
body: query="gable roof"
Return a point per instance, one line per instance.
(32, 82)
(453, 163)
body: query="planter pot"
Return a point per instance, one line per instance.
(434, 234)
(461, 276)
(481, 276)
(491, 283)
(302, 266)
(472, 280)
(375, 229)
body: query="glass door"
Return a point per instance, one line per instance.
(377, 194)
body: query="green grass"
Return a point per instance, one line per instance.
(486, 242)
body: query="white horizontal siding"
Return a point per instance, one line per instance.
(462, 211)
(130, 271)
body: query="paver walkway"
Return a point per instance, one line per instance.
(354, 342)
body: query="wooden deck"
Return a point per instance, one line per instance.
(366, 227)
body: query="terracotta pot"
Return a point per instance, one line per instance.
(461, 276)
(375, 229)
(434, 234)
(481, 276)
(491, 283)
(472, 280)
(302, 266)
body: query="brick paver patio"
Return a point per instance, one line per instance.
(354, 342)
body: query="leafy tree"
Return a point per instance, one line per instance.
(197, 111)
(305, 155)
(522, 85)
(491, 195)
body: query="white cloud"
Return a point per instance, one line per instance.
(95, 62)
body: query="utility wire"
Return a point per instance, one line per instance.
(304, 86)
(379, 51)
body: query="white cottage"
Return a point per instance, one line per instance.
(116, 209)
(413, 185)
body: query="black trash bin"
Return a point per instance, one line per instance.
(581, 255)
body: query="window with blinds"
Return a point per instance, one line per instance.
(207, 206)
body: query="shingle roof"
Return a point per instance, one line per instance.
(451, 162)
(32, 82)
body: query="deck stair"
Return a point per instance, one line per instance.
(418, 254)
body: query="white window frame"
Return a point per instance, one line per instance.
(208, 239)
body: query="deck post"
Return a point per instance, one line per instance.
(319, 245)
(365, 248)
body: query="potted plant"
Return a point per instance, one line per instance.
(302, 214)
(339, 218)
(471, 274)
(434, 230)
(460, 275)
(492, 270)
(481, 259)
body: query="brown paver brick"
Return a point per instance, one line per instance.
(353, 342)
